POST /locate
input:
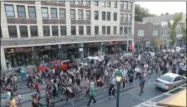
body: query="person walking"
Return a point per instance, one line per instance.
(92, 93)
(111, 89)
(142, 83)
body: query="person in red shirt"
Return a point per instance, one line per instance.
(36, 86)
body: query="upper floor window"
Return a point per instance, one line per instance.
(115, 16)
(88, 14)
(55, 30)
(125, 30)
(115, 4)
(108, 4)
(72, 13)
(53, 12)
(103, 4)
(12, 30)
(96, 3)
(96, 30)
(23, 31)
(103, 30)
(9, 9)
(121, 30)
(45, 12)
(34, 31)
(80, 2)
(21, 11)
(141, 33)
(62, 13)
(103, 15)
(108, 30)
(46, 30)
(108, 16)
(129, 5)
(121, 5)
(87, 3)
(155, 33)
(88, 30)
(72, 2)
(81, 30)
(125, 18)
(73, 30)
(121, 17)
(80, 14)
(115, 30)
(32, 12)
(125, 5)
(96, 15)
(130, 18)
(63, 30)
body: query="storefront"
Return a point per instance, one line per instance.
(90, 49)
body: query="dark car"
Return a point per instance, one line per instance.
(183, 71)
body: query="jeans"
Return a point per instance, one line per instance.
(111, 90)
(90, 100)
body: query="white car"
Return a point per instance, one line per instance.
(169, 81)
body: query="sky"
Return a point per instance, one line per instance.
(162, 7)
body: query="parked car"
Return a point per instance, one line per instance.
(169, 81)
(183, 71)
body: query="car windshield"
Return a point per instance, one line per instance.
(166, 78)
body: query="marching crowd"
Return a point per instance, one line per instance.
(81, 80)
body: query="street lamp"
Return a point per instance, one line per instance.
(118, 76)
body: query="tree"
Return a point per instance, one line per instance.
(156, 42)
(141, 12)
(172, 27)
(183, 29)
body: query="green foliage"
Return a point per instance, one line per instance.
(183, 28)
(172, 27)
(141, 12)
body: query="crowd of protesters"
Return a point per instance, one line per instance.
(75, 80)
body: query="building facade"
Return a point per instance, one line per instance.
(144, 33)
(52, 30)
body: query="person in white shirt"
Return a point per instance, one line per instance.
(111, 89)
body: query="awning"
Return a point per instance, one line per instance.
(178, 100)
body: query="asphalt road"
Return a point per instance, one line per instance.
(130, 98)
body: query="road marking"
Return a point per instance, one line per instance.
(137, 96)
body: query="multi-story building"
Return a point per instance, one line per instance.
(48, 30)
(144, 33)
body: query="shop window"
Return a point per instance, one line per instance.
(81, 30)
(12, 31)
(23, 31)
(34, 31)
(32, 12)
(9, 9)
(88, 30)
(46, 30)
(45, 12)
(63, 30)
(55, 30)
(54, 13)
(21, 11)
(73, 30)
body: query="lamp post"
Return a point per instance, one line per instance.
(118, 76)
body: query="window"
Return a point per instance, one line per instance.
(45, 12)
(9, 10)
(96, 15)
(121, 30)
(88, 14)
(96, 3)
(129, 31)
(166, 78)
(103, 30)
(130, 6)
(125, 30)
(130, 19)
(97, 30)
(80, 2)
(12, 30)
(155, 33)
(108, 30)
(73, 30)
(125, 20)
(81, 30)
(141, 33)
(115, 4)
(63, 30)
(46, 30)
(34, 31)
(80, 14)
(121, 5)
(87, 3)
(115, 16)
(72, 2)
(108, 4)
(177, 79)
(23, 31)
(55, 30)
(53, 12)
(108, 15)
(21, 11)
(121, 17)
(115, 30)
(125, 5)
(103, 15)
(103, 4)
(62, 2)
(32, 12)
(62, 13)
(88, 30)
(72, 13)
